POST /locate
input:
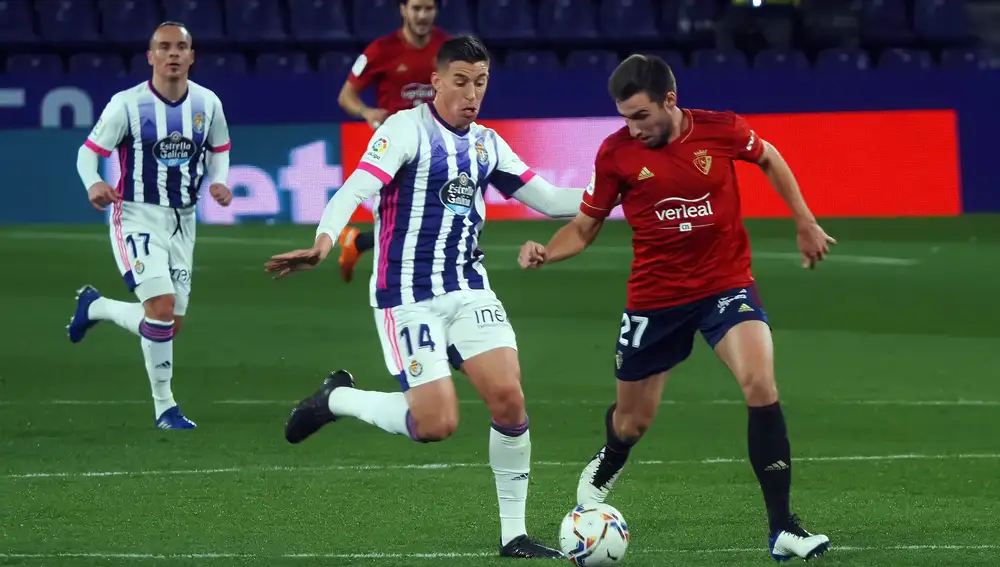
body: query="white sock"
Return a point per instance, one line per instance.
(128, 316)
(158, 350)
(387, 411)
(510, 459)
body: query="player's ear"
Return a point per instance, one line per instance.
(436, 81)
(149, 57)
(670, 101)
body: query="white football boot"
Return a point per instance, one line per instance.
(793, 541)
(597, 479)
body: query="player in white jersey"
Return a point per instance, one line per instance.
(164, 130)
(433, 304)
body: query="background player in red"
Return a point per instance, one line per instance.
(673, 170)
(399, 66)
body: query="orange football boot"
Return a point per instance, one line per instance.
(348, 252)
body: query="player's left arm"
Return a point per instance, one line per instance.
(813, 241)
(218, 144)
(515, 180)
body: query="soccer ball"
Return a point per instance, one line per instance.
(594, 535)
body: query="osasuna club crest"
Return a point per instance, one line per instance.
(703, 161)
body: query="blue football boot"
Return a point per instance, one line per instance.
(81, 322)
(174, 419)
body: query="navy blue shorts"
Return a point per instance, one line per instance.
(655, 340)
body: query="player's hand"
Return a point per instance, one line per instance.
(295, 261)
(375, 117)
(101, 195)
(814, 243)
(221, 194)
(532, 256)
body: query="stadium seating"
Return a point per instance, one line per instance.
(318, 20)
(303, 36)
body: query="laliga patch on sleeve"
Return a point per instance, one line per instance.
(378, 148)
(593, 181)
(359, 65)
(753, 138)
(97, 128)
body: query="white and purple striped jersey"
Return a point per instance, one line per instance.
(430, 212)
(162, 145)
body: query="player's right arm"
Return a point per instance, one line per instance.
(109, 131)
(362, 75)
(600, 197)
(392, 146)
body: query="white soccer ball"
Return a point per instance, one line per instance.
(594, 535)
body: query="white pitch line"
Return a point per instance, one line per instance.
(618, 250)
(456, 466)
(734, 402)
(473, 554)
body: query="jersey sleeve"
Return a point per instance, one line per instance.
(747, 145)
(604, 189)
(365, 69)
(110, 129)
(391, 147)
(218, 131)
(511, 173)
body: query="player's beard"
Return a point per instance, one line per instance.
(420, 31)
(660, 139)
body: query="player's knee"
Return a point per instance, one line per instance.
(433, 409)
(432, 428)
(506, 404)
(632, 425)
(160, 308)
(178, 323)
(759, 388)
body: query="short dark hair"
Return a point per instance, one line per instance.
(405, 2)
(642, 74)
(171, 24)
(463, 48)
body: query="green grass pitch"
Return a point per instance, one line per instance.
(887, 362)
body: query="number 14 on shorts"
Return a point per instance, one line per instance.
(424, 339)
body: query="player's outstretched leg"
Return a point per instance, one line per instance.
(92, 308)
(337, 397)
(748, 351)
(353, 243)
(625, 423)
(496, 375)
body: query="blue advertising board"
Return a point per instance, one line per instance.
(283, 174)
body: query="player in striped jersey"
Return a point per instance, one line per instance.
(433, 303)
(164, 130)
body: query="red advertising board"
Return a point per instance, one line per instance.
(849, 164)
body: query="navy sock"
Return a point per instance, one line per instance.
(616, 449)
(771, 458)
(365, 241)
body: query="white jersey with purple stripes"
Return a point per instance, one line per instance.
(430, 212)
(162, 145)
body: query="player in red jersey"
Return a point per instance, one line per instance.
(399, 66)
(673, 170)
